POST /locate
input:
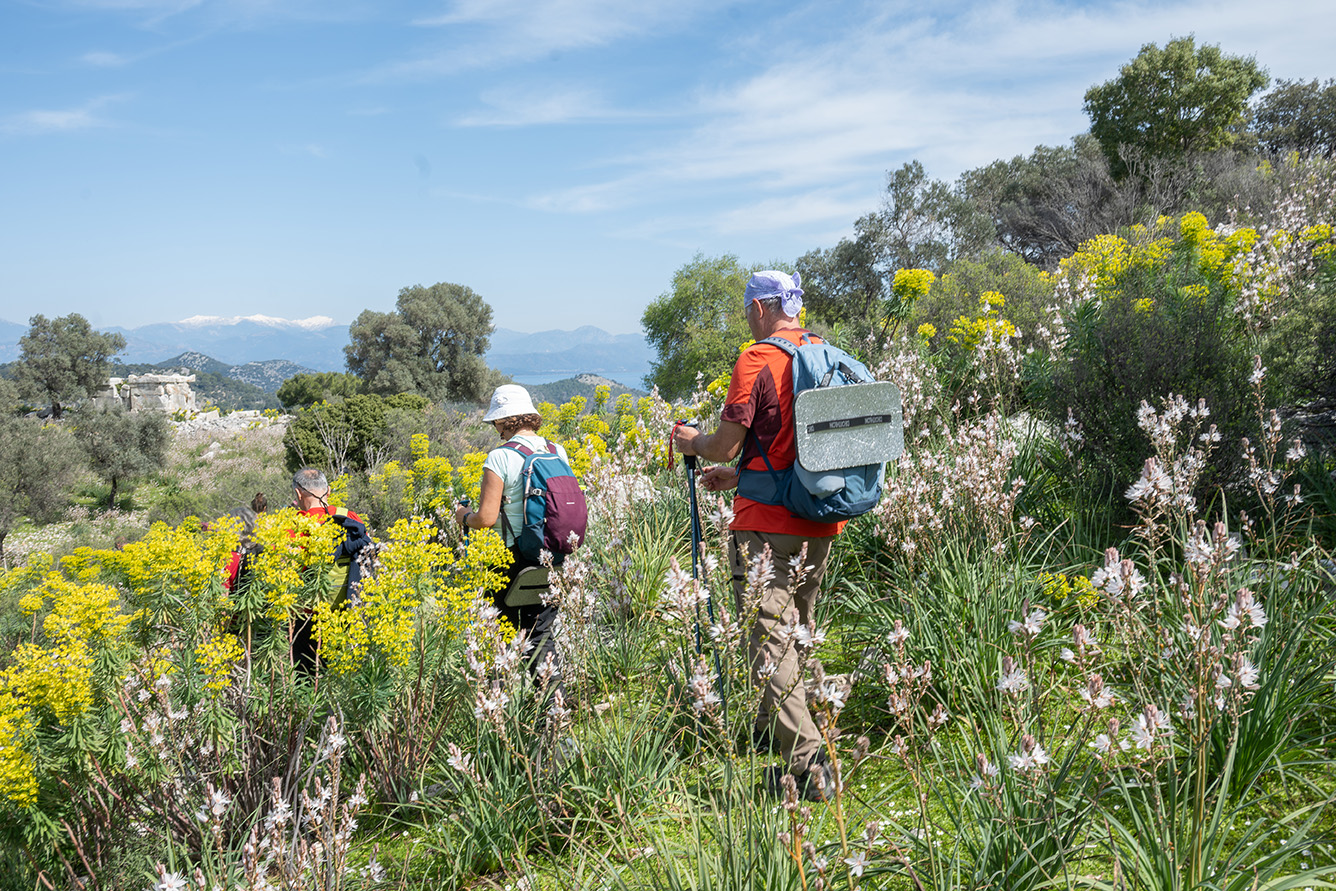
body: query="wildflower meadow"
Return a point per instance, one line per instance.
(1086, 640)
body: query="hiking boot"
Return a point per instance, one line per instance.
(817, 783)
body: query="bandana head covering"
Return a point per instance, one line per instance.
(772, 283)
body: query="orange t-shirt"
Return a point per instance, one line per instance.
(760, 398)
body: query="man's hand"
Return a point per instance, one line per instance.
(719, 477)
(684, 438)
(461, 511)
(721, 445)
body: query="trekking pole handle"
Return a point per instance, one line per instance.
(689, 460)
(465, 502)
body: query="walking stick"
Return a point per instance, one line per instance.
(696, 538)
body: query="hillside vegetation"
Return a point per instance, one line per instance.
(1085, 640)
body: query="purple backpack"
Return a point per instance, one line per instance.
(554, 506)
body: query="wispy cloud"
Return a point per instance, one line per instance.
(517, 107)
(310, 149)
(956, 85)
(487, 33)
(104, 59)
(42, 121)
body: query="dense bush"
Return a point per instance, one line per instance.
(1158, 317)
(345, 434)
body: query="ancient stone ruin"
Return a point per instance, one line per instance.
(149, 392)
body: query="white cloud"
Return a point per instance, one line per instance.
(523, 108)
(956, 87)
(104, 59)
(310, 149)
(41, 121)
(485, 33)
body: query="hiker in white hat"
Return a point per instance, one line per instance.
(516, 420)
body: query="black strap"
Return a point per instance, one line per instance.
(846, 423)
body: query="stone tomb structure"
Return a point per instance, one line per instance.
(149, 392)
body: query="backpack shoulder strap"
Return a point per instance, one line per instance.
(517, 447)
(785, 345)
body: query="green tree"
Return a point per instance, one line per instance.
(37, 469)
(843, 284)
(697, 326)
(923, 223)
(432, 344)
(1042, 207)
(307, 389)
(1168, 102)
(345, 434)
(1298, 117)
(63, 359)
(122, 445)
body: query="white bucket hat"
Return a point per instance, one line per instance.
(509, 400)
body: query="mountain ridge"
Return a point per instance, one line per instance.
(316, 344)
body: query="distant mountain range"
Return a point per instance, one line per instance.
(317, 344)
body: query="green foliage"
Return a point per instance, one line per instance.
(1298, 117)
(347, 434)
(122, 445)
(1168, 102)
(432, 344)
(1042, 207)
(697, 326)
(1164, 323)
(922, 223)
(37, 468)
(843, 284)
(302, 390)
(955, 294)
(63, 359)
(1300, 348)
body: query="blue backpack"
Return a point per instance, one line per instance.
(847, 425)
(554, 506)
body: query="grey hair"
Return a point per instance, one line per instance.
(308, 479)
(774, 306)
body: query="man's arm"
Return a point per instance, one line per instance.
(722, 445)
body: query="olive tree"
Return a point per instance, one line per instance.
(38, 465)
(698, 325)
(432, 344)
(64, 359)
(1169, 102)
(122, 445)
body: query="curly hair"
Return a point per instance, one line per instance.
(508, 427)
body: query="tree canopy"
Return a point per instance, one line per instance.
(697, 326)
(432, 344)
(122, 445)
(1298, 117)
(307, 389)
(1168, 102)
(37, 469)
(64, 359)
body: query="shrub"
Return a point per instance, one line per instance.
(1159, 320)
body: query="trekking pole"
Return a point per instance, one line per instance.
(464, 502)
(696, 538)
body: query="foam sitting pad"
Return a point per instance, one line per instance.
(529, 587)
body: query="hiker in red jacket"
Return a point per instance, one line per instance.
(311, 498)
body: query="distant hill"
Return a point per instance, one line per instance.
(227, 386)
(317, 344)
(561, 391)
(584, 350)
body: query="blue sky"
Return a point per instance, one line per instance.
(166, 158)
